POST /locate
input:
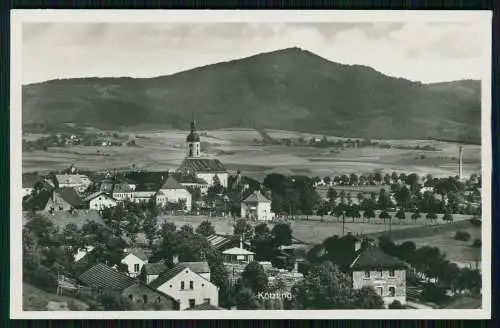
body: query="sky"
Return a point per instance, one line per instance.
(418, 51)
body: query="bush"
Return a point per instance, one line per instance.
(42, 278)
(477, 243)
(462, 235)
(475, 222)
(396, 305)
(433, 293)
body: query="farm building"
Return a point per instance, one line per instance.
(134, 260)
(100, 200)
(173, 192)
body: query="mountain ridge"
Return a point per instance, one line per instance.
(289, 89)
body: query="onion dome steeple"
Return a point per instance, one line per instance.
(193, 136)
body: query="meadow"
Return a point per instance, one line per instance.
(236, 148)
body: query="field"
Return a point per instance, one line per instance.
(314, 231)
(162, 150)
(35, 299)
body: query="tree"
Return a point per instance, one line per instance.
(150, 228)
(367, 298)
(431, 216)
(477, 243)
(377, 177)
(401, 215)
(324, 287)
(415, 216)
(254, 277)
(332, 195)
(462, 235)
(327, 180)
(219, 277)
(384, 215)
(383, 200)
(448, 217)
(205, 228)
(369, 214)
(282, 234)
(246, 300)
(243, 229)
(261, 229)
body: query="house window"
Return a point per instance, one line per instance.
(380, 273)
(206, 300)
(191, 285)
(392, 273)
(392, 291)
(367, 274)
(380, 291)
(182, 284)
(192, 302)
(136, 268)
(145, 298)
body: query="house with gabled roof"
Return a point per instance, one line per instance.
(100, 201)
(185, 284)
(385, 273)
(135, 259)
(151, 271)
(101, 279)
(172, 191)
(78, 181)
(257, 207)
(62, 200)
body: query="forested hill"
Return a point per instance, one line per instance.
(290, 89)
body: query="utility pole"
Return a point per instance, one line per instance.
(343, 223)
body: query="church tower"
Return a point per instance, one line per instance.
(193, 141)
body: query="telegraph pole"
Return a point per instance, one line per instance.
(343, 223)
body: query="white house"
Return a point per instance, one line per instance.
(78, 181)
(188, 287)
(135, 260)
(173, 192)
(257, 207)
(100, 200)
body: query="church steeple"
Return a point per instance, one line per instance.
(193, 140)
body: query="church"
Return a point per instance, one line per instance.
(207, 169)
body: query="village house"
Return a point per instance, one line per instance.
(222, 243)
(173, 192)
(191, 182)
(63, 200)
(28, 183)
(386, 274)
(188, 287)
(235, 261)
(151, 271)
(134, 260)
(208, 169)
(78, 181)
(100, 201)
(257, 207)
(103, 280)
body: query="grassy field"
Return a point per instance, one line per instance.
(35, 299)
(442, 237)
(314, 231)
(162, 150)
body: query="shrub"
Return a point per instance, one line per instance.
(462, 235)
(476, 222)
(41, 277)
(433, 293)
(396, 305)
(477, 243)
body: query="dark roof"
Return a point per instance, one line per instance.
(166, 276)
(171, 183)
(203, 307)
(374, 258)
(149, 186)
(102, 276)
(38, 202)
(187, 178)
(155, 268)
(256, 197)
(145, 177)
(70, 196)
(122, 187)
(29, 179)
(198, 267)
(203, 165)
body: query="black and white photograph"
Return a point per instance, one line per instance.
(244, 164)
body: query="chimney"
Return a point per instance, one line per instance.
(460, 153)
